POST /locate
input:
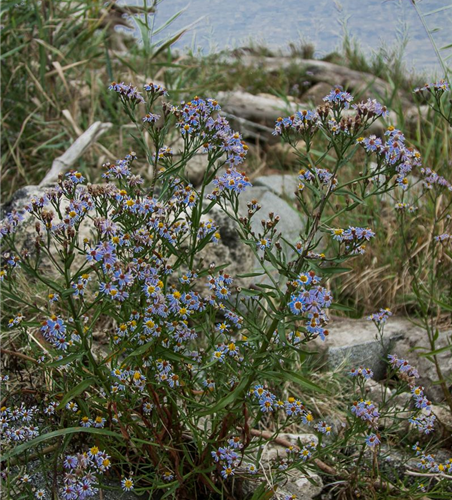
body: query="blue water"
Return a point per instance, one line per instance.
(373, 23)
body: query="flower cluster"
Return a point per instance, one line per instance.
(443, 237)
(354, 238)
(268, 402)
(352, 234)
(423, 419)
(428, 462)
(155, 88)
(339, 97)
(366, 410)
(371, 109)
(379, 318)
(402, 207)
(151, 118)
(229, 457)
(301, 121)
(17, 423)
(323, 428)
(393, 153)
(324, 177)
(365, 373)
(80, 480)
(403, 366)
(127, 92)
(54, 330)
(232, 180)
(196, 119)
(431, 179)
(439, 86)
(311, 300)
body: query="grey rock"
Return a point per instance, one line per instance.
(444, 416)
(290, 223)
(282, 185)
(413, 344)
(302, 486)
(240, 256)
(316, 93)
(274, 451)
(195, 167)
(229, 250)
(262, 108)
(377, 391)
(296, 483)
(20, 198)
(361, 84)
(286, 155)
(354, 343)
(117, 494)
(415, 116)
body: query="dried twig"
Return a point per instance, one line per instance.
(423, 474)
(66, 160)
(18, 354)
(284, 442)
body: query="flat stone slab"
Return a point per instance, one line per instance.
(284, 186)
(290, 223)
(354, 343)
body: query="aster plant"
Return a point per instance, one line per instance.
(195, 368)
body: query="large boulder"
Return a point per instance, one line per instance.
(303, 486)
(316, 93)
(282, 185)
(354, 343)
(290, 223)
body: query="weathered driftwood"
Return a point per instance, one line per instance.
(66, 160)
(256, 114)
(248, 128)
(261, 108)
(322, 71)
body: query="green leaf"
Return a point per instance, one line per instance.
(296, 378)
(440, 9)
(263, 493)
(141, 350)
(282, 332)
(437, 351)
(345, 192)
(250, 275)
(12, 51)
(78, 389)
(19, 450)
(248, 292)
(341, 307)
(168, 43)
(225, 401)
(65, 360)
